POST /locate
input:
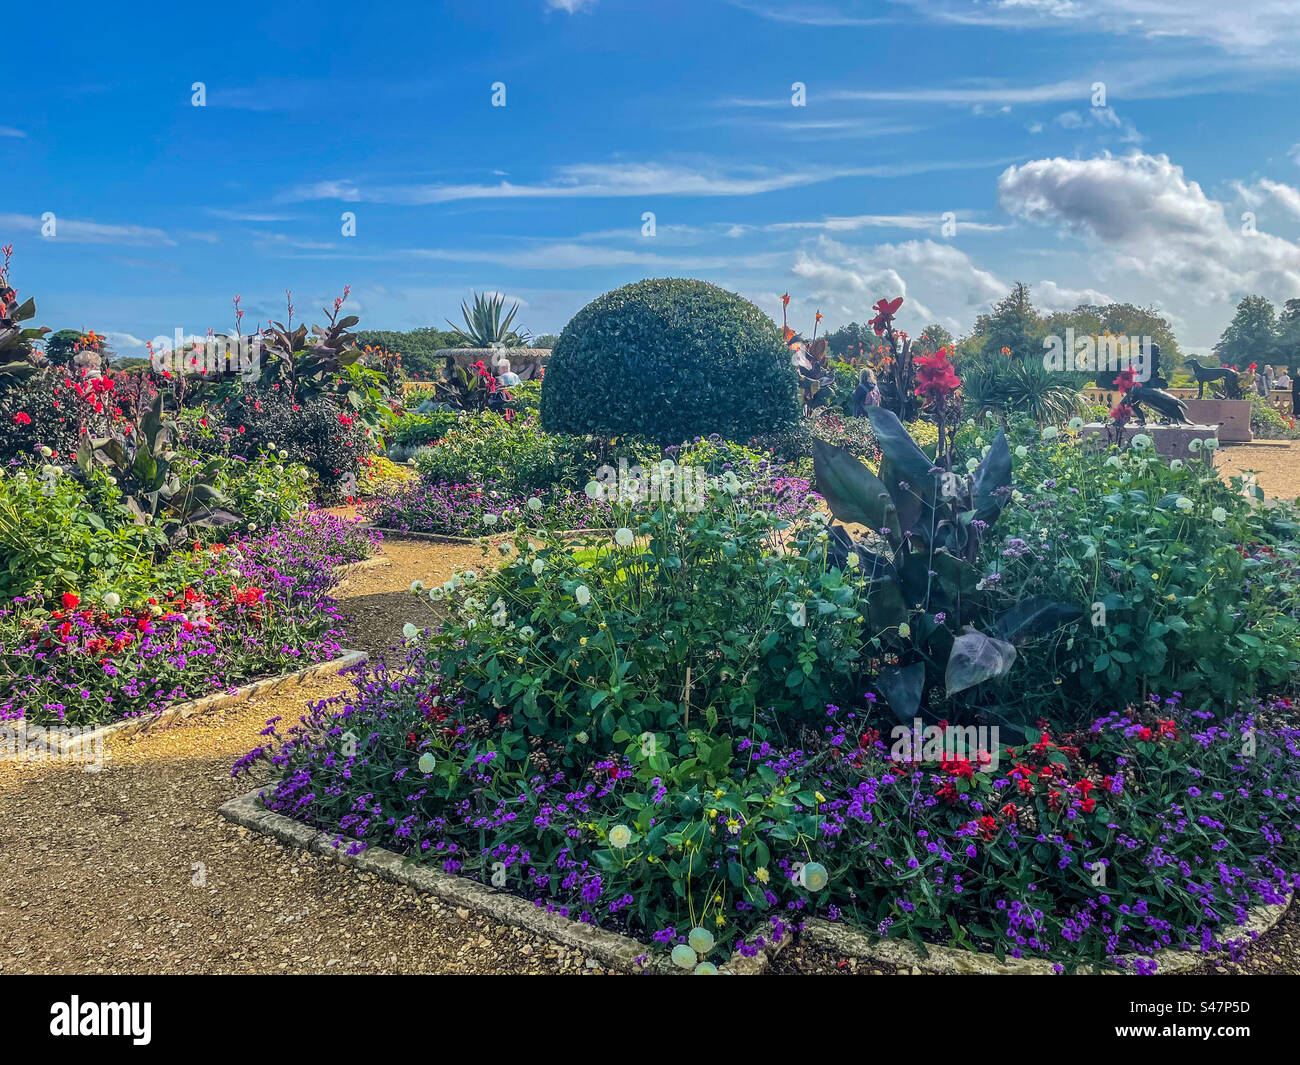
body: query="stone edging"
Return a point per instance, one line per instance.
(614, 950)
(438, 538)
(68, 743)
(346, 571)
(953, 961)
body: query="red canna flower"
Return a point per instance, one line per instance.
(70, 600)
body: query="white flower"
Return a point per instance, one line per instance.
(537, 567)
(1017, 496)
(582, 594)
(427, 763)
(1021, 451)
(852, 560)
(489, 519)
(594, 490)
(1076, 423)
(112, 600)
(449, 586)
(417, 586)
(1211, 443)
(905, 630)
(46, 452)
(623, 537)
(234, 572)
(620, 836)
(1050, 432)
(284, 455)
(469, 576)
(526, 632)
(409, 631)
(972, 465)
(534, 503)
(1183, 503)
(1176, 465)
(1141, 441)
(1114, 461)
(582, 737)
(1194, 446)
(270, 447)
(1219, 514)
(979, 441)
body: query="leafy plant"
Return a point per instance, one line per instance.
(485, 325)
(925, 525)
(142, 462)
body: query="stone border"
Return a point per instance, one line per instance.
(438, 538)
(953, 961)
(614, 950)
(64, 743)
(345, 571)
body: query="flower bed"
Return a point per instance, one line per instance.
(243, 610)
(443, 509)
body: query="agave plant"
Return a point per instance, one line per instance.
(485, 327)
(923, 598)
(142, 462)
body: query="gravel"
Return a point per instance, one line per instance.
(130, 869)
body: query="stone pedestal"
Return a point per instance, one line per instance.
(1232, 416)
(1171, 441)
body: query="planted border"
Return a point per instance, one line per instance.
(952, 961)
(64, 743)
(615, 951)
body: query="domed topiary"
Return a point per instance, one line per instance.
(669, 359)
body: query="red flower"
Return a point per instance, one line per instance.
(935, 376)
(1127, 379)
(70, 600)
(22, 418)
(1121, 412)
(885, 311)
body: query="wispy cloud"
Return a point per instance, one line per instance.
(72, 231)
(10, 131)
(615, 180)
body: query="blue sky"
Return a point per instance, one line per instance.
(1181, 190)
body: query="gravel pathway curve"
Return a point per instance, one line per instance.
(130, 870)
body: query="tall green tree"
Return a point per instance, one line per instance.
(1252, 335)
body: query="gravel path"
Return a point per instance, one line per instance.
(130, 870)
(1277, 465)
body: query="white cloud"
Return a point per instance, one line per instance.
(1156, 225)
(9, 131)
(1258, 195)
(596, 180)
(844, 282)
(570, 6)
(72, 231)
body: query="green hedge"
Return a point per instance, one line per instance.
(669, 359)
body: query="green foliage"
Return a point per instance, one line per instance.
(1252, 335)
(142, 461)
(516, 457)
(418, 347)
(58, 533)
(485, 324)
(669, 359)
(925, 526)
(1189, 584)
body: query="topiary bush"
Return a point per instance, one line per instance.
(669, 359)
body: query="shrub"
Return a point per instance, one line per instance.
(513, 455)
(426, 506)
(669, 359)
(316, 433)
(1186, 583)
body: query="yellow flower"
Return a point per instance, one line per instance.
(583, 641)
(762, 875)
(819, 796)
(720, 921)
(719, 793)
